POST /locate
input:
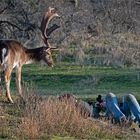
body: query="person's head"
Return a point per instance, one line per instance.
(99, 96)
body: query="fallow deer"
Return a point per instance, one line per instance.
(14, 55)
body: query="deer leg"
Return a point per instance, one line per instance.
(18, 81)
(7, 83)
(1, 81)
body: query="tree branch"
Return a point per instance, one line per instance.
(1, 11)
(11, 24)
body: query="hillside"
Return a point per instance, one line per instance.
(98, 52)
(97, 32)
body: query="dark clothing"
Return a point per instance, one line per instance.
(99, 100)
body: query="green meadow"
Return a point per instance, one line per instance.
(84, 82)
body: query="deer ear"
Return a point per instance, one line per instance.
(50, 9)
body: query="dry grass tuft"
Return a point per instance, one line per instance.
(52, 117)
(44, 118)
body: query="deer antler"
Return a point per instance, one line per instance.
(51, 29)
(48, 16)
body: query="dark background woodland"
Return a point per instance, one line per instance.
(93, 32)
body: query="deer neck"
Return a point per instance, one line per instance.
(34, 55)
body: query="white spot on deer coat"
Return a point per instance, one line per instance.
(3, 54)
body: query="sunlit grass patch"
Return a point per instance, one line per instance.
(85, 81)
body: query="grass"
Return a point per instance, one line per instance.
(49, 118)
(84, 82)
(52, 119)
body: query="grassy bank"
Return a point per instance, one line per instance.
(52, 119)
(35, 120)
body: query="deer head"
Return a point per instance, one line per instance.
(46, 56)
(45, 33)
